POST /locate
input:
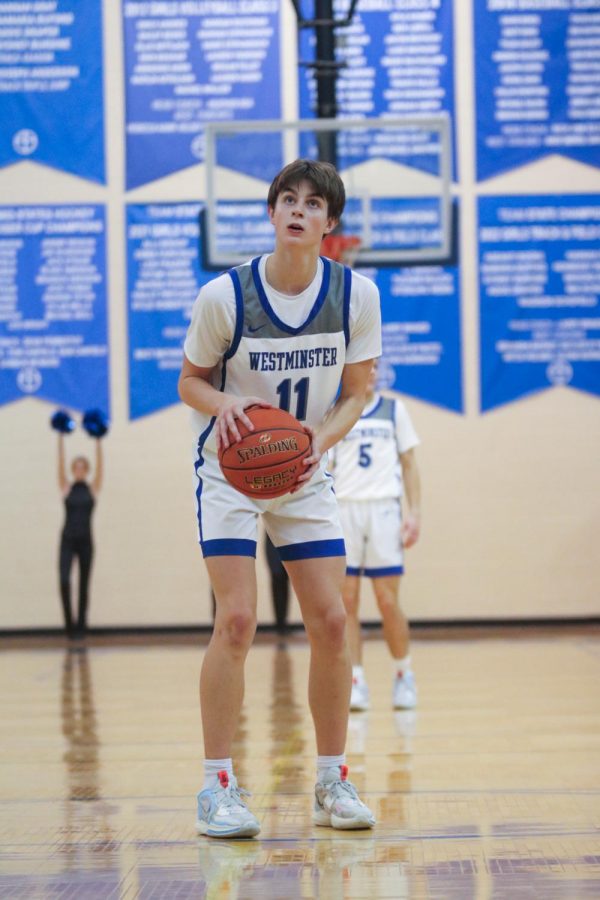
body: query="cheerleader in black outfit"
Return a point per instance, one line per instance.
(76, 539)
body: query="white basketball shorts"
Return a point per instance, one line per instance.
(303, 525)
(372, 537)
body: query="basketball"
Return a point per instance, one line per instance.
(267, 461)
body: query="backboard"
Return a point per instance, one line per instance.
(397, 174)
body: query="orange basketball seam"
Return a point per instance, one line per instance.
(267, 462)
(255, 465)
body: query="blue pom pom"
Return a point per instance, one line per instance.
(95, 423)
(62, 421)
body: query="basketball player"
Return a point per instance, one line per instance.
(372, 466)
(287, 330)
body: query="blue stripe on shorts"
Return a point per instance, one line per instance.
(381, 573)
(229, 547)
(312, 549)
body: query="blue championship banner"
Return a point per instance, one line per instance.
(420, 312)
(189, 63)
(51, 108)
(539, 276)
(53, 330)
(399, 62)
(406, 223)
(537, 84)
(420, 306)
(243, 227)
(163, 279)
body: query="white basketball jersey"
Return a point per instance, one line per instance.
(365, 463)
(297, 369)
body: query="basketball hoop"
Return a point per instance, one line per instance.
(341, 247)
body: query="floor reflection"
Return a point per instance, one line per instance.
(286, 725)
(334, 868)
(78, 716)
(491, 795)
(338, 866)
(85, 813)
(226, 866)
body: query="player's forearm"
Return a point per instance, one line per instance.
(412, 485)
(338, 422)
(200, 395)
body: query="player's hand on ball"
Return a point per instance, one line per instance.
(310, 462)
(232, 408)
(411, 528)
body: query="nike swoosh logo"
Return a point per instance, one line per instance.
(252, 330)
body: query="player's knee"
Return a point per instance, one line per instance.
(350, 603)
(332, 628)
(386, 601)
(238, 628)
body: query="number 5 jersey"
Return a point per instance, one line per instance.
(365, 463)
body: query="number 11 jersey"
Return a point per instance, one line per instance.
(287, 350)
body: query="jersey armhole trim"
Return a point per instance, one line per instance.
(347, 293)
(374, 410)
(239, 314)
(395, 424)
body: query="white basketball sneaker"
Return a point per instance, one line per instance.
(223, 813)
(337, 803)
(404, 691)
(359, 698)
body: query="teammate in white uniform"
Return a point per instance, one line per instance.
(288, 329)
(373, 466)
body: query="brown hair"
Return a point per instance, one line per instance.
(323, 177)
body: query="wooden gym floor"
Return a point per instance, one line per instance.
(490, 790)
